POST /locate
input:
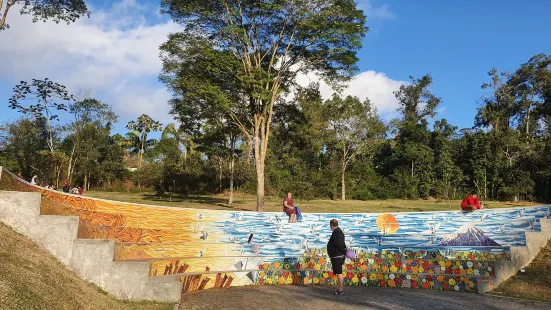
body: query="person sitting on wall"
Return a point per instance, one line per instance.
(66, 186)
(289, 208)
(471, 203)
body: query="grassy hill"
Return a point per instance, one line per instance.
(31, 278)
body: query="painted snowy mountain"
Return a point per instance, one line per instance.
(468, 235)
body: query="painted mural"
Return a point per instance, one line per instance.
(214, 249)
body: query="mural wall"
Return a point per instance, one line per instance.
(213, 248)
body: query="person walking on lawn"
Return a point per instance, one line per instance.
(336, 249)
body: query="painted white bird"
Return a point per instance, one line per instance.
(520, 213)
(501, 227)
(204, 235)
(277, 219)
(304, 243)
(378, 241)
(359, 219)
(401, 251)
(531, 224)
(447, 254)
(433, 216)
(232, 239)
(200, 216)
(546, 214)
(320, 217)
(446, 219)
(372, 250)
(482, 217)
(239, 217)
(434, 228)
(313, 229)
(202, 252)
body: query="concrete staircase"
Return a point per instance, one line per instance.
(521, 256)
(92, 260)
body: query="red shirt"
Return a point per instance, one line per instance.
(290, 203)
(470, 201)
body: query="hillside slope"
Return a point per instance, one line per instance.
(31, 278)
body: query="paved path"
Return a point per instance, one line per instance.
(319, 297)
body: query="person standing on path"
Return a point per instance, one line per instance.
(336, 249)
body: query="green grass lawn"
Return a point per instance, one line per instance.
(534, 282)
(248, 203)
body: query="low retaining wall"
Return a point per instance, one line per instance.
(153, 253)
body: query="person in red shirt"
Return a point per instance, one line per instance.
(471, 203)
(289, 208)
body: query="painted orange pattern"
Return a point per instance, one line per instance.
(387, 223)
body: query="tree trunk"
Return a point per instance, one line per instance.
(50, 133)
(412, 168)
(220, 174)
(261, 133)
(85, 185)
(343, 195)
(260, 188)
(140, 158)
(528, 121)
(57, 177)
(232, 165)
(69, 168)
(343, 188)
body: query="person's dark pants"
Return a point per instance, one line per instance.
(336, 264)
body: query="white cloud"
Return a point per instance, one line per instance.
(377, 87)
(115, 52)
(375, 12)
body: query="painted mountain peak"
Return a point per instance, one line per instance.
(468, 235)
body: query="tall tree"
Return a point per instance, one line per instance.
(90, 116)
(273, 42)
(49, 97)
(412, 151)
(144, 125)
(357, 128)
(42, 10)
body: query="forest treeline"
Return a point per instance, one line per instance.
(231, 67)
(331, 149)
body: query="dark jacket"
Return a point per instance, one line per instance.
(336, 246)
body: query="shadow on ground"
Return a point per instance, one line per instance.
(319, 297)
(200, 200)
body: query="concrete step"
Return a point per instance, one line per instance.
(20, 210)
(57, 234)
(93, 261)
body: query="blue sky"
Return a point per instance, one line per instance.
(115, 52)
